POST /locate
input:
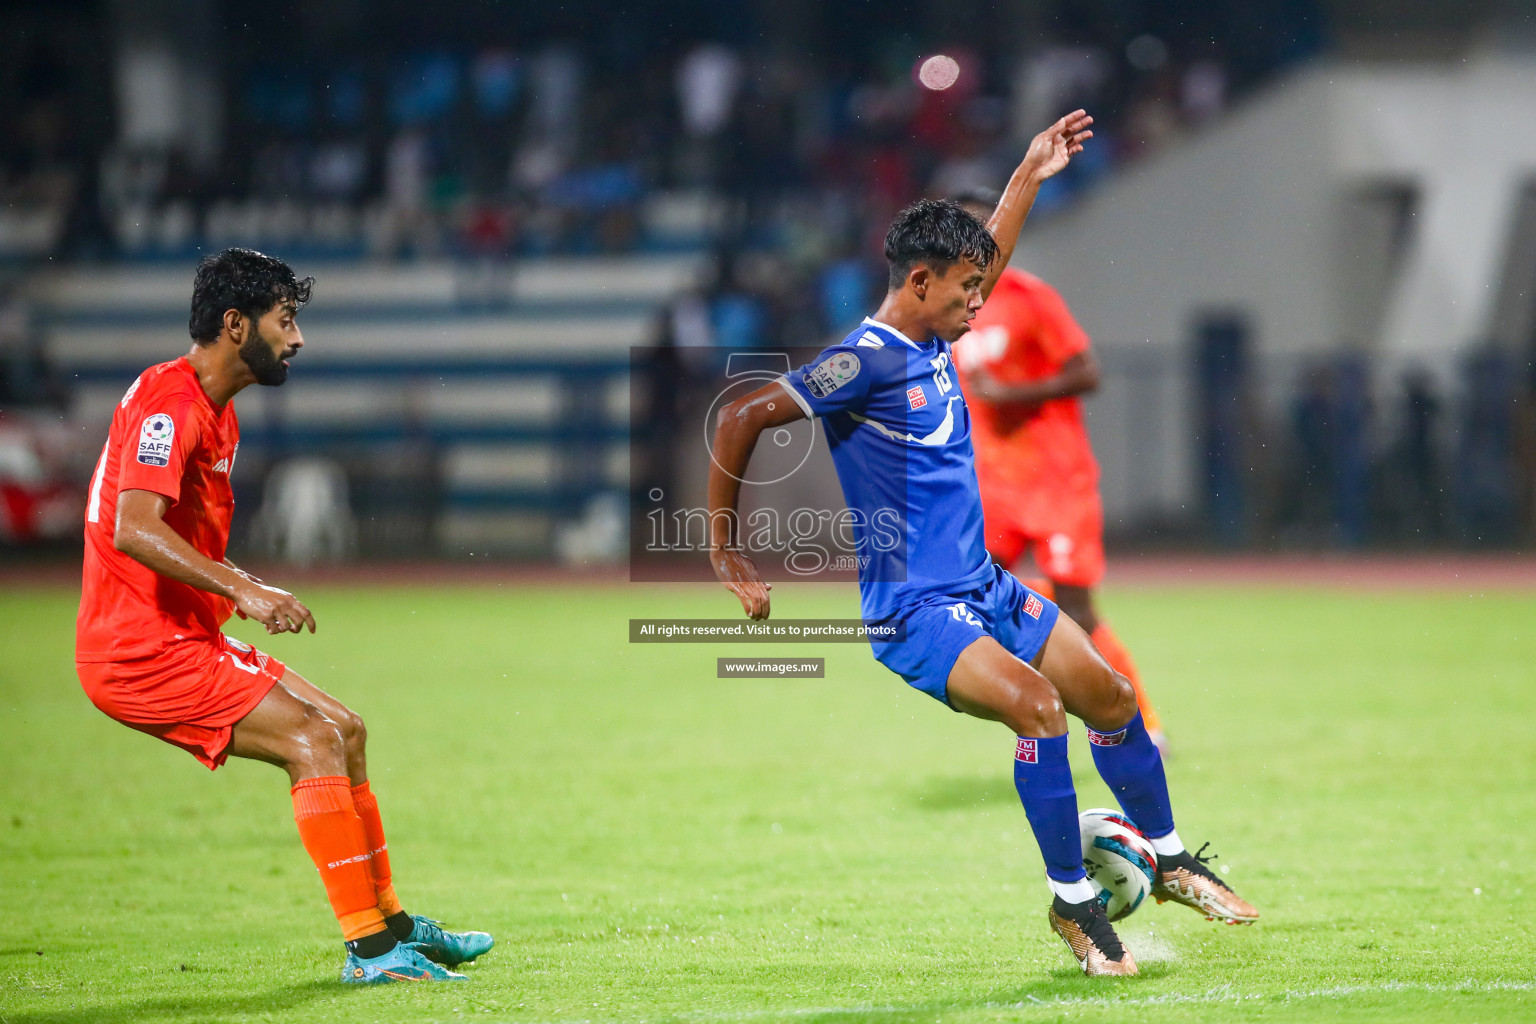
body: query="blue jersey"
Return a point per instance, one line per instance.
(900, 436)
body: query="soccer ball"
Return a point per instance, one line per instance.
(1119, 860)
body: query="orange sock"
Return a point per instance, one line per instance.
(1119, 659)
(335, 841)
(373, 828)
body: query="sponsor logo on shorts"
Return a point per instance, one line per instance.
(1106, 739)
(1033, 606)
(831, 373)
(1026, 751)
(155, 438)
(246, 649)
(915, 397)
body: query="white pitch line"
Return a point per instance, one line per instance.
(1225, 994)
(1222, 994)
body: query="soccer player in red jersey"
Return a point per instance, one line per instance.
(157, 589)
(1022, 368)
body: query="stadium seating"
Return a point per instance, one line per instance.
(474, 408)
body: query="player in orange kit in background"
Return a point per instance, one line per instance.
(1022, 366)
(156, 591)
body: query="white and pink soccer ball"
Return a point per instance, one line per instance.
(1119, 860)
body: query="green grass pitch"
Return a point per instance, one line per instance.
(650, 843)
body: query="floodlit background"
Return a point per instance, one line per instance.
(1304, 241)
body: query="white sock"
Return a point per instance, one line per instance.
(1079, 891)
(1168, 845)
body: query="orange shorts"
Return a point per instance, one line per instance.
(190, 694)
(1068, 545)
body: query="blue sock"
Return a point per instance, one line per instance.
(1129, 763)
(1044, 781)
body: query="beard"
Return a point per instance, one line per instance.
(265, 366)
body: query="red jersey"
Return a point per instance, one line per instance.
(1034, 458)
(169, 437)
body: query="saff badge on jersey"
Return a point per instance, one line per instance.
(155, 438)
(831, 373)
(915, 397)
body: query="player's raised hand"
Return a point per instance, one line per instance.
(277, 610)
(740, 576)
(1054, 148)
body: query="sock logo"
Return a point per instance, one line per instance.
(350, 860)
(1026, 751)
(1107, 739)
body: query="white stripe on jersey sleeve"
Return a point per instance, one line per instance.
(799, 398)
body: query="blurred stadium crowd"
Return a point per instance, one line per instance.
(378, 131)
(776, 139)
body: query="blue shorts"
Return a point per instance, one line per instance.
(940, 626)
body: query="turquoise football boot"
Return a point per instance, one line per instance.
(403, 963)
(448, 948)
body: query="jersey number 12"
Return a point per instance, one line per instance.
(941, 373)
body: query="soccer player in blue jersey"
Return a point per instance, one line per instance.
(976, 638)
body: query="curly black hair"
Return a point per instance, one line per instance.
(937, 232)
(240, 279)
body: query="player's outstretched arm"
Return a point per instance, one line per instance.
(142, 534)
(1048, 153)
(1078, 375)
(736, 431)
